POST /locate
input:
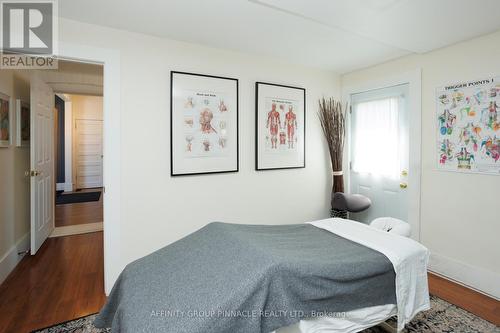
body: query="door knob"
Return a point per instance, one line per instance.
(403, 185)
(34, 173)
(404, 173)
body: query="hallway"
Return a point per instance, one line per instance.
(80, 213)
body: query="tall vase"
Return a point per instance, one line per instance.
(338, 183)
(338, 186)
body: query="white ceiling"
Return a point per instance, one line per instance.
(339, 35)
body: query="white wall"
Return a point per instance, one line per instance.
(460, 221)
(14, 186)
(157, 209)
(87, 107)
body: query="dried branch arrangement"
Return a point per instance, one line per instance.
(332, 118)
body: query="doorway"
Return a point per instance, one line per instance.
(79, 165)
(109, 62)
(379, 163)
(68, 142)
(68, 268)
(395, 178)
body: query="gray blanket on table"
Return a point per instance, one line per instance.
(228, 278)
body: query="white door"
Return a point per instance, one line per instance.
(88, 153)
(42, 162)
(379, 135)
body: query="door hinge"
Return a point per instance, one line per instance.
(350, 108)
(350, 165)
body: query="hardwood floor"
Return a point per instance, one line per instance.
(65, 280)
(79, 213)
(468, 299)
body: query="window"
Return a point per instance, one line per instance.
(375, 137)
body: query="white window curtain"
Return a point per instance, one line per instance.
(375, 138)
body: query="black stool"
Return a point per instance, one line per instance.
(343, 203)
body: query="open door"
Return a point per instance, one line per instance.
(42, 162)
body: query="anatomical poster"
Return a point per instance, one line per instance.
(280, 126)
(204, 120)
(468, 126)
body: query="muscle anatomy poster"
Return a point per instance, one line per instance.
(281, 135)
(468, 124)
(280, 126)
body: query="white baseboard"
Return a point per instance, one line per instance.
(479, 279)
(68, 187)
(76, 229)
(10, 260)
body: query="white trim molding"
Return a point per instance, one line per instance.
(68, 187)
(77, 229)
(414, 80)
(68, 144)
(110, 59)
(64, 97)
(10, 260)
(479, 279)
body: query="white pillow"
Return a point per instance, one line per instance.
(390, 224)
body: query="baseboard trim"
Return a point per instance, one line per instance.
(10, 260)
(76, 229)
(68, 187)
(475, 278)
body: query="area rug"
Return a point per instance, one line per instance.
(443, 317)
(77, 197)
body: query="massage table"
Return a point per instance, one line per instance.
(331, 275)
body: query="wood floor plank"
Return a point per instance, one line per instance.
(465, 298)
(80, 213)
(63, 281)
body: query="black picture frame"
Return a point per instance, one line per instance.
(174, 174)
(257, 103)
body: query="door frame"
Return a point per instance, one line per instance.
(110, 60)
(414, 80)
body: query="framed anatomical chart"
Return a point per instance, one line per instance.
(203, 124)
(280, 126)
(468, 126)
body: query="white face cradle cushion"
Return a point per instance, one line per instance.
(390, 224)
